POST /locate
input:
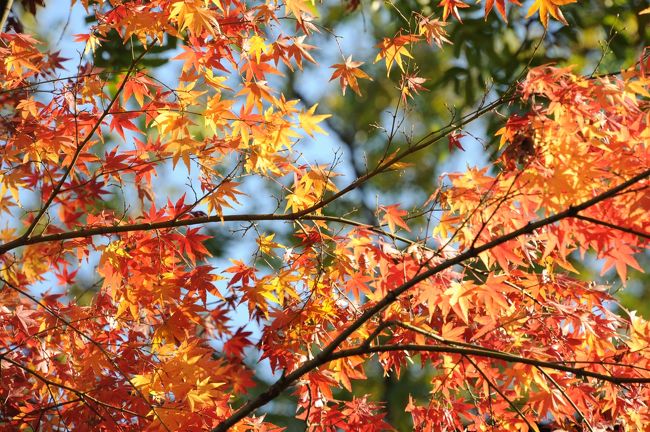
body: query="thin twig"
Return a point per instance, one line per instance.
(500, 392)
(568, 398)
(613, 226)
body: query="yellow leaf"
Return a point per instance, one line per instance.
(309, 121)
(266, 244)
(547, 7)
(92, 43)
(194, 16)
(298, 7)
(202, 394)
(393, 49)
(257, 47)
(140, 381)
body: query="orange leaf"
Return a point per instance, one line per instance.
(347, 73)
(393, 216)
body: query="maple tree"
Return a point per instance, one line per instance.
(482, 285)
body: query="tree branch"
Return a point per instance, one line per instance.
(328, 352)
(430, 139)
(84, 336)
(177, 223)
(496, 355)
(80, 147)
(501, 393)
(613, 226)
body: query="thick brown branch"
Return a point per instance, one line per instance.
(176, 223)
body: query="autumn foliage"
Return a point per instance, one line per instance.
(485, 283)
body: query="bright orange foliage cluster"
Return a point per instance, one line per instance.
(489, 298)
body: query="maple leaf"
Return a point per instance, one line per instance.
(361, 414)
(23, 316)
(451, 7)
(459, 298)
(298, 8)
(241, 272)
(308, 121)
(193, 15)
(433, 30)
(348, 73)
(256, 92)
(217, 198)
(639, 333)
(501, 7)
(91, 40)
(620, 257)
(454, 140)
(202, 393)
(256, 46)
(121, 121)
(64, 277)
(393, 216)
(547, 7)
(392, 50)
(299, 50)
(411, 84)
(357, 285)
(266, 244)
(191, 57)
(234, 347)
(183, 149)
(138, 86)
(191, 243)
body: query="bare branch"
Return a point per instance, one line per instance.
(5, 14)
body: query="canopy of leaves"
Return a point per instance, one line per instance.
(478, 285)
